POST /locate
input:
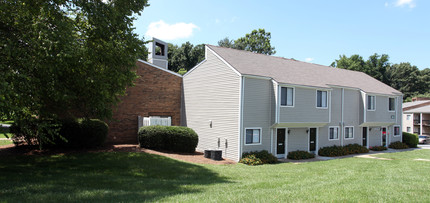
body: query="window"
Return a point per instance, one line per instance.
(321, 99)
(408, 129)
(253, 136)
(370, 102)
(287, 96)
(408, 117)
(391, 104)
(333, 133)
(349, 132)
(396, 130)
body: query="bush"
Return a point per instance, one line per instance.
(251, 160)
(342, 151)
(398, 145)
(82, 133)
(296, 155)
(410, 139)
(264, 156)
(170, 138)
(378, 148)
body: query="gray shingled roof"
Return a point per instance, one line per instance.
(409, 104)
(290, 71)
(424, 109)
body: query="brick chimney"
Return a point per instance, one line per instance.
(158, 53)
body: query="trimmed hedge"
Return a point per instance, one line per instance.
(82, 133)
(398, 145)
(410, 139)
(254, 158)
(170, 138)
(333, 151)
(297, 155)
(378, 148)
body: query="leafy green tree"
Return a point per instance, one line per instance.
(258, 41)
(185, 57)
(407, 79)
(66, 58)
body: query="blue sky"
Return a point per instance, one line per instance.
(315, 31)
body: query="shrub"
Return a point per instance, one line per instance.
(410, 139)
(332, 151)
(355, 149)
(398, 145)
(82, 133)
(171, 138)
(296, 155)
(264, 156)
(251, 160)
(342, 151)
(378, 148)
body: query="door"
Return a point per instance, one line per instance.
(312, 139)
(280, 141)
(384, 137)
(365, 136)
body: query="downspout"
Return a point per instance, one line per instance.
(342, 122)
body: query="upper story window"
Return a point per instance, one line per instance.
(370, 102)
(321, 99)
(391, 104)
(408, 117)
(287, 96)
(253, 136)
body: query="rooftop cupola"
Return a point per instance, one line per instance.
(158, 53)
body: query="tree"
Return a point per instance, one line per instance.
(66, 58)
(185, 57)
(258, 41)
(407, 79)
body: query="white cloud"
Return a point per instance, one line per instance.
(217, 21)
(165, 31)
(309, 59)
(401, 3)
(387, 4)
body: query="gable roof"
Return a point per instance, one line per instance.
(421, 109)
(289, 71)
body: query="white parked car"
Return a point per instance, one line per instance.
(424, 139)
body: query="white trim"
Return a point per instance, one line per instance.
(394, 131)
(367, 100)
(276, 101)
(257, 77)
(329, 107)
(163, 69)
(305, 86)
(364, 98)
(260, 135)
(242, 93)
(316, 99)
(338, 134)
(192, 69)
(395, 103)
(224, 61)
(278, 107)
(342, 122)
(294, 96)
(352, 132)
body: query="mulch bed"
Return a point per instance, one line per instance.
(196, 157)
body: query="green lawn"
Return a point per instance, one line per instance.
(137, 177)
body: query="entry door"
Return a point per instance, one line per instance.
(280, 141)
(365, 136)
(312, 139)
(384, 137)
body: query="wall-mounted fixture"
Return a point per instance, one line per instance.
(289, 131)
(219, 143)
(307, 131)
(370, 129)
(226, 143)
(210, 123)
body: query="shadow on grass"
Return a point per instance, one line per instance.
(104, 177)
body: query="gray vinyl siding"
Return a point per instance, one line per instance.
(304, 109)
(351, 115)
(297, 139)
(374, 136)
(274, 96)
(336, 117)
(212, 93)
(381, 113)
(257, 110)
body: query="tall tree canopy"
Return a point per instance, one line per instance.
(404, 77)
(185, 56)
(66, 58)
(257, 41)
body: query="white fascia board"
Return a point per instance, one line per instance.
(303, 86)
(224, 61)
(169, 71)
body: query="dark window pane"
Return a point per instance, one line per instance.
(249, 136)
(283, 96)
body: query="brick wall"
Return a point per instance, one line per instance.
(156, 93)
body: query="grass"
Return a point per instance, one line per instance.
(137, 177)
(5, 142)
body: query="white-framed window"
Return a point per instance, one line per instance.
(371, 102)
(391, 104)
(349, 132)
(333, 133)
(252, 136)
(408, 117)
(396, 130)
(408, 129)
(287, 96)
(322, 99)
